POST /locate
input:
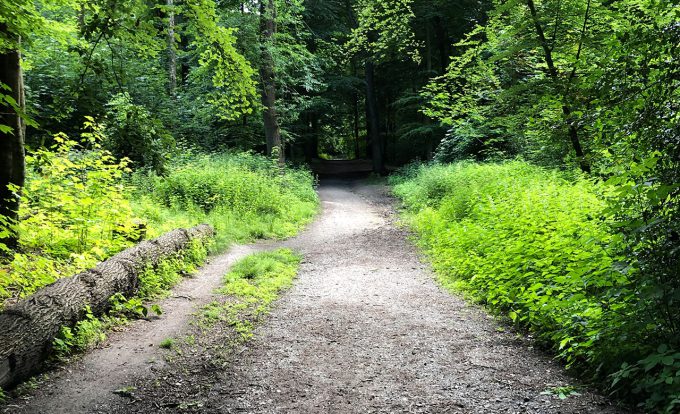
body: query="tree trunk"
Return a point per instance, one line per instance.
(12, 163)
(373, 120)
(428, 48)
(272, 131)
(172, 52)
(442, 43)
(357, 149)
(554, 75)
(28, 327)
(356, 120)
(311, 136)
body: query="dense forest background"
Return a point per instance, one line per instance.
(582, 93)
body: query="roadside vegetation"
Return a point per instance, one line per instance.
(540, 247)
(249, 289)
(198, 359)
(81, 206)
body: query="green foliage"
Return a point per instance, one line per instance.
(539, 247)
(167, 343)
(244, 196)
(561, 392)
(156, 280)
(251, 286)
(219, 60)
(384, 29)
(134, 134)
(19, 19)
(74, 212)
(87, 333)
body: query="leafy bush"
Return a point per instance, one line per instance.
(74, 213)
(539, 247)
(133, 133)
(243, 195)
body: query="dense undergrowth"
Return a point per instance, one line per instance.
(539, 246)
(244, 196)
(81, 205)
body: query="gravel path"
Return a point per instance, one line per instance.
(365, 329)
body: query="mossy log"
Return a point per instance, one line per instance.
(28, 327)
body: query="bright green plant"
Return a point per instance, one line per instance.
(243, 196)
(253, 284)
(75, 212)
(537, 246)
(167, 343)
(85, 334)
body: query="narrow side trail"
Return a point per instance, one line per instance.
(365, 329)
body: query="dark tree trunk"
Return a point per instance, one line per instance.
(172, 53)
(554, 75)
(28, 327)
(272, 131)
(12, 163)
(355, 110)
(312, 136)
(442, 43)
(373, 119)
(183, 46)
(428, 48)
(357, 150)
(81, 20)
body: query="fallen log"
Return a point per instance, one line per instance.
(28, 327)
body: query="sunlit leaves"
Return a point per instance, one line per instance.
(384, 30)
(230, 72)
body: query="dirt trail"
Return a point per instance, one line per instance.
(365, 329)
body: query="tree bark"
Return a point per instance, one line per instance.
(373, 120)
(28, 327)
(12, 156)
(272, 129)
(172, 52)
(554, 75)
(355, 101)
(442, 43)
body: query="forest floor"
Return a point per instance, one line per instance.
(365, 329)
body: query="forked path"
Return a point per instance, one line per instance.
(366, 329)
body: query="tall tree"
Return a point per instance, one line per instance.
(12, 123)
(172, 52)
(556, 77)
(383, 31)
(12, 130)
(272, 129)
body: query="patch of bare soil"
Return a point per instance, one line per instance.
(365, 329)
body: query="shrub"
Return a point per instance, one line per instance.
(74, 213)
(133, 133)
(243, 196)
(540, 247)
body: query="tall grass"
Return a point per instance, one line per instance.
(243, 196)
